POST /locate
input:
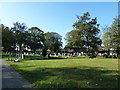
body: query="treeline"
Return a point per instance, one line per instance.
(20, 37)
(111, 38)
(86, 37)
(83, 38)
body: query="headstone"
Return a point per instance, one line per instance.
(55, 54)
(79, 54)
(46, 56)
(22, 56)
(17, 60)
(27, 54)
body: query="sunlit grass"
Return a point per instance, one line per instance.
(70, 73)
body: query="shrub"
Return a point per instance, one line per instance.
(119, 56)
(44, 52)
(110, 56)
(114, 56)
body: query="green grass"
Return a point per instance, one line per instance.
(70, 73)
(29, 57)
(69, 57)
(4, 56)
(26, 57)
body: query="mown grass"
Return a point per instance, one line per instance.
(35, 57)
(70, 73)
(68, 57)
(39, 57)
(26, 57)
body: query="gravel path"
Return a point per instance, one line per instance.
(11, 79)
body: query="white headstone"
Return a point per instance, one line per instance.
(22, 56)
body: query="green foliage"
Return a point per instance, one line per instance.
(35, 38)
(106, 39)
(53, 41)
(74, 41)
(19, 30)
(85, 36)
(44, 52)
(32, 38)
(111, 38)
(8, 38)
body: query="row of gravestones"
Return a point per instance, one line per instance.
(63, 54)
(67, 54)
(15, 57)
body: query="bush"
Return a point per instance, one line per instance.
(114, 56)
(119, 56)
(106, 55)
(110, 56)
(44, 52)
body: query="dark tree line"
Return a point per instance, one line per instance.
(83, 38)
(19, 37)
(111, 37)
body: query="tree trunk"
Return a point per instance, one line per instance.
(20, 47)
(44, 52)
(108, 52)
(118, 52)
(34, 51)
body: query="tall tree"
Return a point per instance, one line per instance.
(111, 38)
(35, 38)
(8, 38)
(88, 33)
(74, 41)
(53, 41)
(115, 31)
(19, 30)
(106, 38)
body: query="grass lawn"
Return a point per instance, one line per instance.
(68, 57)
(26, 57)
(70, 73)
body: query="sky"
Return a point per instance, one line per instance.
(56, 16)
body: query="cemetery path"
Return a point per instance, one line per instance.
(12, 79)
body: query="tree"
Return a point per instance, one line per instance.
(35, 38)
(111, 38)
(74, 41)
(88, 31)
(106, 39)
(19, 30)
(115, 32)
(53, 41)
(8, 38)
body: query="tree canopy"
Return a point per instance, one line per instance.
(83, 38)
(86, 35)
(111, 38)
(8, 38)
(53, 41)
(35, 38)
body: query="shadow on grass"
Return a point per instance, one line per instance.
(4, 56)
(56, 58)
(67, 77)
(67, 57)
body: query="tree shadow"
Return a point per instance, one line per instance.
(71, 77)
